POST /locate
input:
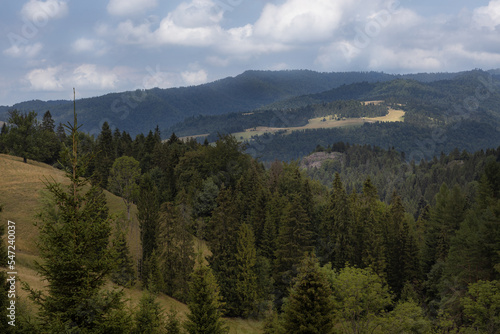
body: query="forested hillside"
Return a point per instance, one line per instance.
(375, 244)
(141, 110)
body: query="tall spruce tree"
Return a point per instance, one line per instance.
(337, 235)
(148, 215)
(222, 240)
(294, 240)
(148, 317)
(308, 309)
(205, 304)
(246, 284)
(105, 156)
(74, 247)
(124, 273)
(176, 250)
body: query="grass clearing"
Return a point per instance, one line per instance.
(327, 122)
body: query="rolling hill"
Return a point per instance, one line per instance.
(142, 110)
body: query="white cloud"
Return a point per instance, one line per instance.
(45, 79)
(488, 16)
(194, 77)
(59, 78)
(198, 13)
(87, 45)
(88, 75)
(130, 7)
(26, 51)
(171, 33)
(407, 60)
(298, 20)
(40, 12)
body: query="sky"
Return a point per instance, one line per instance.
(102, 46)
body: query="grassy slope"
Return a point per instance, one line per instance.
(20, 193)
(318, 123)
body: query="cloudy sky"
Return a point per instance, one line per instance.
(101, 46)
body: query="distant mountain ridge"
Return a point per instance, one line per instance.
(142, 110)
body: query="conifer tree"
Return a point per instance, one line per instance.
(154, 280)
(124, 272)
(294, 240)
(148, 215)
(205, 304)
(74, 247)
(308, 309)
(337, 235)
(105, 156)
(246, 285)
(222, 238)
(271, 225)
(173, 325)
(176, 251)
(148, 317)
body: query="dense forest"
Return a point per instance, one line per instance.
(439, 116)
(367, 242)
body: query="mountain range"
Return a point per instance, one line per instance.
(142, 110)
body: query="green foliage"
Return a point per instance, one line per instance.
(105, 156)
(308, 309)
(124, 177)
(21, 137)
(124, 273)
(148, 215)
(482, 306)
(176, 252)
(148, 317)
(360, 299)
(173, 325)
(152, 274)
(294, 240)
(407, 317)
(74, 247)
(205, 304)
(246, 285)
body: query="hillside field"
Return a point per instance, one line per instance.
(322, 123)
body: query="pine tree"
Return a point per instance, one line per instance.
(148, 317)
(148, 207)
(48, 144)
(337, 239)
(246, 285)
(173, 325)
(222, 238)
(308, 309)
(294, 240)
(205, 304)
(176, 249)
(74, 247)
(123, 273)
(154, 280)
(105, 156)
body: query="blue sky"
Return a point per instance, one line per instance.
(48, 47)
